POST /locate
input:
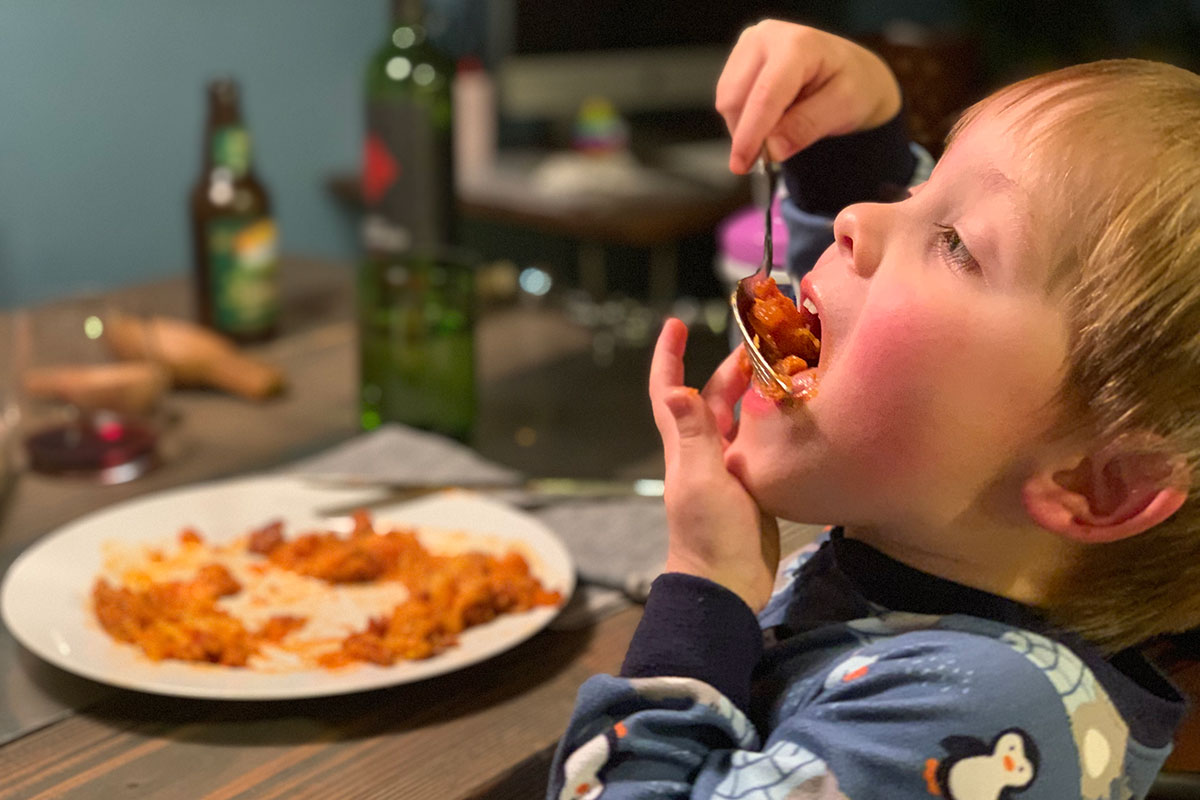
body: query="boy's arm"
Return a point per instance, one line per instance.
(787, 86)
(831, 111)
(926, 714)
(876, 165)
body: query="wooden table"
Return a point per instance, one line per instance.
(486, 731)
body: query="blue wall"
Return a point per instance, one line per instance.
(101, 118)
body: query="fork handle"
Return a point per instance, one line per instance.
(771, 169)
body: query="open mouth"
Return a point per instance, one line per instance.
(789, 337)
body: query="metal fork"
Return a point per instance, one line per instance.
(742, 299)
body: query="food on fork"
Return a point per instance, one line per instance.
(788, 338)
(236, 605)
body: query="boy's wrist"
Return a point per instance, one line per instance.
(753, 590)
(695, 628)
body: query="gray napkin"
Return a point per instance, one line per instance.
(618, 544)
(397, 453)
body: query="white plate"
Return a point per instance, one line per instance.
(46, 596)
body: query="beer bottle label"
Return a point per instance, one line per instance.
(231, 149)
(243, 274)
(407, 180)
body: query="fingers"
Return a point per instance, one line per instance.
(699, 443)
(821, 114)
(726, 386)
(742, 84)
(776, 86)
(737, 76)
(789, 85)
(721, 393)
(666, 365)
(666, 374)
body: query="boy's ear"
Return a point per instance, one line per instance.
(1108, 495)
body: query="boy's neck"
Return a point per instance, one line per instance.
(1018, 564)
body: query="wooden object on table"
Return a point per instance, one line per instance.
(195, 356)
(130, 387)
(218, 434)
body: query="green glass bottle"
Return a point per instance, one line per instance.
(416, 293)
(416, 336)
(234, 240)
(408, 172)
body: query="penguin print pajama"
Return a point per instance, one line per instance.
(862, 678)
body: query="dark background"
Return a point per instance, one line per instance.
(103, 103)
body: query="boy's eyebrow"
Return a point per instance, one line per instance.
(996, 181)
(993, 181)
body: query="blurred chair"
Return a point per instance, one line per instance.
(940, 74)
(1180, 778)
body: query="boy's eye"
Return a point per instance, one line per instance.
(954, 252)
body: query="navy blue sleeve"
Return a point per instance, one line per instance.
(695, 628)
(866, 166)
(876, 165)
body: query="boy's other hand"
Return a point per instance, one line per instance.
(715, 528)
(792, 85)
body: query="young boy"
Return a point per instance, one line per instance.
(1005, 431)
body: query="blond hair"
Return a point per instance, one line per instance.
(1120, 140)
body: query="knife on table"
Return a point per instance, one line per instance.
(528, 493)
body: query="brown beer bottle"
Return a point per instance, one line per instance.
(234, 237)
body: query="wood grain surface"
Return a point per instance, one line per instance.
(484, 731)
(453, 736)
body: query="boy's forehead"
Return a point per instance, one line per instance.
(994, 147)
(999, 172)
(1026, 138)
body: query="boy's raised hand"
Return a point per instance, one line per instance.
(715, 528)
(791, 85)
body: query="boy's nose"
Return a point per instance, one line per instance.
(857, 232)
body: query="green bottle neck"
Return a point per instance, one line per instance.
(230, 149)
(228, 137)
(407, 12)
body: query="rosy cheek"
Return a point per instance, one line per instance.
(946, 384)
(887, 376)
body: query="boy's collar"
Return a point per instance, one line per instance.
(1146, 700)
(884, 581)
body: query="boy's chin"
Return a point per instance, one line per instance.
(754, 452)
(735, 458)
(795, 495)
(754, 476)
